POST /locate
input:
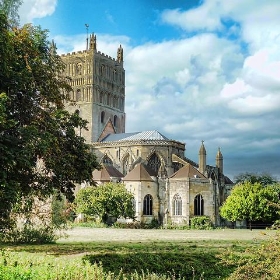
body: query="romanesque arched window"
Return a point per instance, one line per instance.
(148, 205)
(107, 161)
(154, 163)
(177, 205)
(198, 205)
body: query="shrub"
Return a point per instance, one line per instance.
(30, 235)
(201, 222)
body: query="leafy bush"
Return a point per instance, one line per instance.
(30, 235)
(201, 222)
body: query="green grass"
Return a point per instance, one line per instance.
(120, 260)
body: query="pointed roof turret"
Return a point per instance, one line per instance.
(93, 44)
(202, 150)
(202, 158)
(219, 161)
(120, 54)
(219, 154)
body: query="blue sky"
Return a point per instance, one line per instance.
(195, 70)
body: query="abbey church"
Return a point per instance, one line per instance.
(166, 185)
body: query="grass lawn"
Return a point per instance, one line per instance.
(188, 258)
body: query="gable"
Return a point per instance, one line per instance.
(108, 129)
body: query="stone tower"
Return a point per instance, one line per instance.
(98, 95)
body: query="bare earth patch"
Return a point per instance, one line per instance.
(81, 234)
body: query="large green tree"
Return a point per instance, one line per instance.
(10, 8)
(264, 179)
(104, 201)
(251, 202)
(40, 151)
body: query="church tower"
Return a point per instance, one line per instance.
(98, 83)
(219, 161)
(202, 159)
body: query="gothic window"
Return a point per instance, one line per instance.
(177, 205)
(102, 69)
(154, 163)
(126, 165)
(79, 69)
(115, 121)
(148, 205)
(78, 95)
(100, 97)
(107, 161)
(102, 116)
(198, 205)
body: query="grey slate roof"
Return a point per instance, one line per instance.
(144, 135)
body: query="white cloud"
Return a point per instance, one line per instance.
(255, 105)
(210, 86)
(239, 87)
(203, 17)
(31, 9)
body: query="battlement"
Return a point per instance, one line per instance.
(86, 52)
(74, 53)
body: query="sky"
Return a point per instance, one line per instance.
(195, 70)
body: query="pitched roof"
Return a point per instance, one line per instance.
(139, 173)
(144, 135)
(106, 173)
(107, 129)
(187, 171)
(228, 181)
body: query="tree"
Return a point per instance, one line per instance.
(251, 202)
(40, 151)
(264, 179)
(10, 7)
(104, 201)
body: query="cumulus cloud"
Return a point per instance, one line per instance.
(219, 82)
(31, 9)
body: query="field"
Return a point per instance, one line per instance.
(108, 253)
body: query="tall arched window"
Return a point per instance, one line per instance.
(126, 165)
(78, 95)
(177, 205)
(198, 205)
(115, 121)
(154, 162)
(148, 205)
(102, 117)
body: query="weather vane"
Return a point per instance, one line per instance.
(87, 26)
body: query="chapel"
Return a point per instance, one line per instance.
(167, 186)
